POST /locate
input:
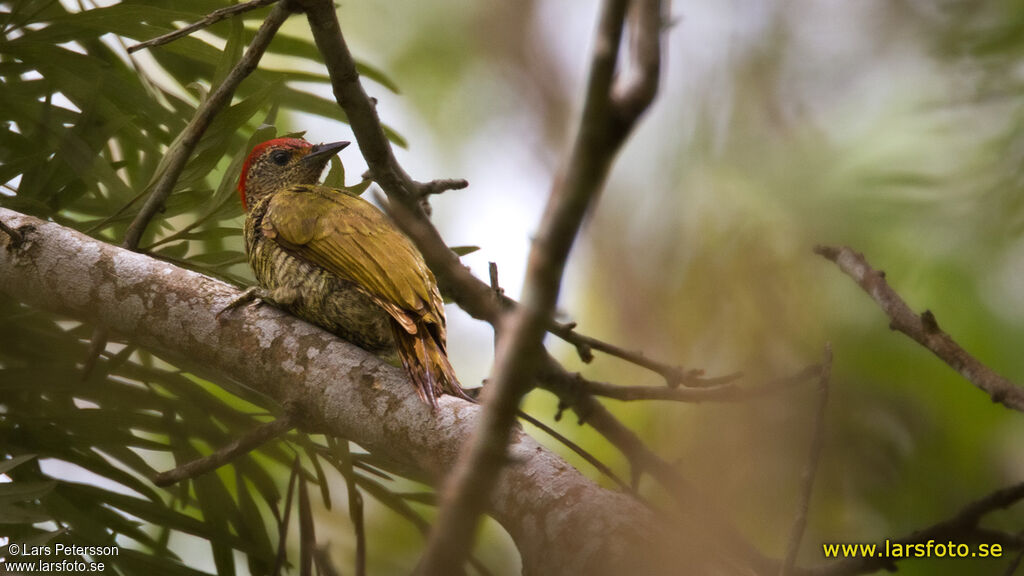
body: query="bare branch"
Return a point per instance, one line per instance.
(923, 329)
(208, 20)
(632, 97)
(442, 186)
(242, 445)
(179, 153)
(492, 272)
(810, 470)
(723, 392)
(695, 508)
(576, 448)
(585, 345)
(360, 109)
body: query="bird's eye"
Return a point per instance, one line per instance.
(280, 157)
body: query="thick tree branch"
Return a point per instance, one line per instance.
(561, 522)
(923, 329)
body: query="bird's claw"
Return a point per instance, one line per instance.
(250, 295)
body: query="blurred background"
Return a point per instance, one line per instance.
(894, 127)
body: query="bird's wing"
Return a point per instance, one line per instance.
(351, 238)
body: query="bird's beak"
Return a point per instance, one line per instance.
(322, 151)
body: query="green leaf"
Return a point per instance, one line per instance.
(463, 250)
(359, 189)
(14, 462)
(14, 514)
(25, 491)
(232, 52)
(336, 175)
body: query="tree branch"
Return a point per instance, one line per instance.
(585, 345)
(208, 20)
(923, 329)
(242, 445)
(340, 389)
(520, 353)
(473, 296)
(360, 109)
(726, 392)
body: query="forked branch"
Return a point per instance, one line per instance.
(924, 328)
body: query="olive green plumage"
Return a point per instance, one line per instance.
(337, 261)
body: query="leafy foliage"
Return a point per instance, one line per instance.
(85, 127)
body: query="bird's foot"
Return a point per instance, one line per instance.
(253, 294)
(281, 297)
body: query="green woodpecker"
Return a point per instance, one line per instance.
(335, 260)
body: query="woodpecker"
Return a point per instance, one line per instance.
(335, 260)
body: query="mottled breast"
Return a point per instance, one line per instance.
(325, 299)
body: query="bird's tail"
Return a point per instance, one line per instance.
(426, 362)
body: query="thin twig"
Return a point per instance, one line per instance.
(442, 186)
(796, 533)
(585, 345)
(923, 329)
(178, 155)
(242, 445)
(492, 271)
(16, 237)
(724, 391)
(576, 448)
(520, 353)
(208, 20)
